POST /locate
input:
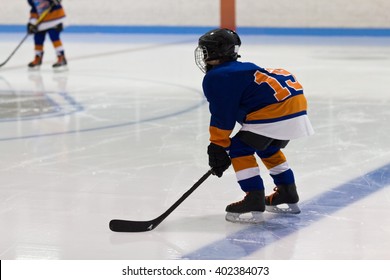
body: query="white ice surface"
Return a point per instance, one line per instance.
(123, 134)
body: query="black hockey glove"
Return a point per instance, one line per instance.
(31, 28)
(219, 160)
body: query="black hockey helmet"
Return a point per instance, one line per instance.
(221, 43)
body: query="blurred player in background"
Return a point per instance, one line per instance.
(52, 24)
(270, 107)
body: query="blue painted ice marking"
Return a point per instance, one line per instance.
(253, 238)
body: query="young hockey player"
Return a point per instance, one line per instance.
(270, 107)
(52, 24)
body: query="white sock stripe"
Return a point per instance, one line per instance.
(247, 173)
(279, 168)
(59, 49)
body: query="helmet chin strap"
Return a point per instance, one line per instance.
(209, 67)
(219, 61)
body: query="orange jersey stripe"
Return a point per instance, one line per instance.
(34, 15)
(54, 15)
(220, 136)
(290, 106)
(241, 163)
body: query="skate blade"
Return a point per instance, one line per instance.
(289, 209)
(254, 217)
(61, 69)
(34, 69)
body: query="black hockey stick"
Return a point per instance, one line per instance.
(141, 226)
(42, 16)
(9, 57)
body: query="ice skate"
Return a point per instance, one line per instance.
(283, 200)
(36, 63)
(61, 64)
(249, 210)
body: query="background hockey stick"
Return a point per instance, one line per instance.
(41, 17)
(141, 226)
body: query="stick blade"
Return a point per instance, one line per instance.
(131, 226)
(142, 226)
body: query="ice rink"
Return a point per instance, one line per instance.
(123, 134)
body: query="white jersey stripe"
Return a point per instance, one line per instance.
(282, 130)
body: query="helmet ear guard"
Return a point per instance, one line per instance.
(219, 44)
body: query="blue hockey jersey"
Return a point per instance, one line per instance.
(268, 102)
(53, 18)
